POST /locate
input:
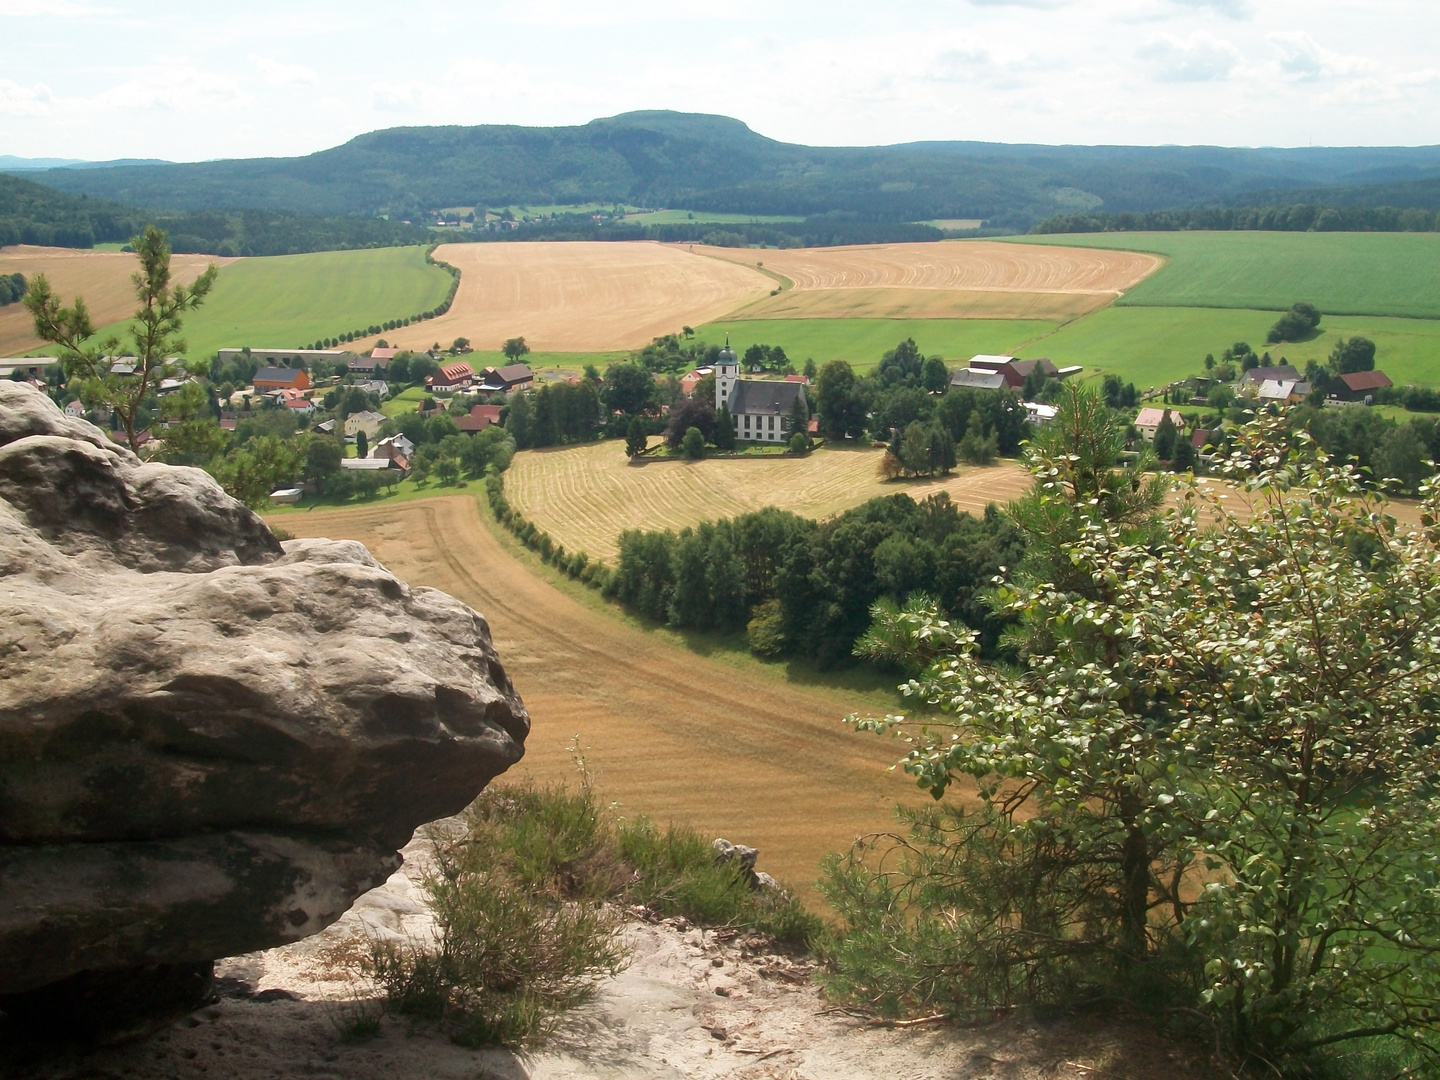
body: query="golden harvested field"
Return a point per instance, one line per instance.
(959, 274)
(730, 749)
(585, 496)
(581, 297)
(101, 277)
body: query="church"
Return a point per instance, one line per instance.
(759, 406)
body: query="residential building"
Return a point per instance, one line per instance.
(689, 382)
(393, 446)
(1251, 381)
(760, 407)
(367, 421)
(32, 366)
(75, 408)
(1039, 414)
(456, 376)
(1149, 420)
(378, 387)
(479, 418)
(1283, 391)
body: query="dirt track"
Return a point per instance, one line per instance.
(726, 748)
(578, 297)
(101, 277)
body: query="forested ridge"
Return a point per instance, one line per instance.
(714, 163)
(31, 213)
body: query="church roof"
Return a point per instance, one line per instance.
(765, 397)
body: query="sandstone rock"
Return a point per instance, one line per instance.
(210, 742)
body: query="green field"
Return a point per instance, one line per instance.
(707, 217)
(1344, 273)
(1154, 346)
(289, 300)
(863, 341)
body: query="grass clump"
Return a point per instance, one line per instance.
(528, 892)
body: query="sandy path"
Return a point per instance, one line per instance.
(577, 297)
(671, 734)
(101, 277)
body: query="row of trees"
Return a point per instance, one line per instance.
(1303, 217)
(1206, 791)
(804, 588)
(12, 288)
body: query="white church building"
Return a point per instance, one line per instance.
(758, 406)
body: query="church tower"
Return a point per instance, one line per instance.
(727, 375)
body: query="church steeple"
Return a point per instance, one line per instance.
(727, 374)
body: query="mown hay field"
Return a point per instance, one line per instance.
(102, 277)
(954, 279)
(735, 749)
(1341, 273)
(586, 496)
(581, 297)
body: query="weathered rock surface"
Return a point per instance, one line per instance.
(210, 742)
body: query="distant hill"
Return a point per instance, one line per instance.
(11, 163)
(714, 163)
(32, 213)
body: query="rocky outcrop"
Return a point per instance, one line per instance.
(210, 742)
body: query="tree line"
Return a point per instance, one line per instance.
(1308, 217)
(803, 588)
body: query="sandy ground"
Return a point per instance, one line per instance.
(693, 1004)
(586, 496)
(581, 297)
(735, 751)
(101, 277)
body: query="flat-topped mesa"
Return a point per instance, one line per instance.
(210, 742)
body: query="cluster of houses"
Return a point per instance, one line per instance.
(1284, 384)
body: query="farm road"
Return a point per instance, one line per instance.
(669, 733)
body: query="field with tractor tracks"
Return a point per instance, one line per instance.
(586, 496)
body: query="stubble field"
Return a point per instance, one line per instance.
(101, 277)
(581, 297)
(584, 497)
(734, 750)
(952, 279)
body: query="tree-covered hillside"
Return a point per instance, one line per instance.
(32, 213)
(714, 163)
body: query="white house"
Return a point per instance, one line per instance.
(759, 406)
(1148, 421)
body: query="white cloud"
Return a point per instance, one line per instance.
(1199, 58)
(47, 7)
(280, 74)
(1044, 4)
(400, 97)
(1235, 9)
(17, 100)
(179, 88)
(1302, 57)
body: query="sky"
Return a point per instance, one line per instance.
(192, 81)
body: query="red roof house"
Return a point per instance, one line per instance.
(479, 418)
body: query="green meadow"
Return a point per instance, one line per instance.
(1341, 273)
(286, 301)
(863, 341)
(1153, 346)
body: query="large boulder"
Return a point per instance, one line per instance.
(210, 742)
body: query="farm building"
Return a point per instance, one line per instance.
(1360, 386)
(377, 363)
(300, 358)
(1283, 391)
(31, 366)
(760, 407)
(979, 379)
(281, 378)
(454, 376)
(505, 379)
(1252, 380)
